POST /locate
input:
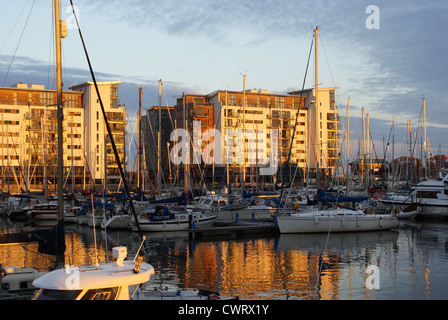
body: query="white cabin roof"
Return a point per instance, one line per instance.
(106, 275)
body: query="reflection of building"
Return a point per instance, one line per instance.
(251, 270)
(28, 126)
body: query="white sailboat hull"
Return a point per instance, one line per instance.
(180, 223)
(338, 220)
(94, 221)
(117, 222)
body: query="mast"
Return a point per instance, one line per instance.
(363, 146)
(425, 142)
(393, 152)
(71, 163)
(316, 101)
(159, 143)
(368, 154)
(60, 248)
(243, 165)
(347, 146)
(139, 156)
(188, 157)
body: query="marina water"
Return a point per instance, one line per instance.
(407, 263)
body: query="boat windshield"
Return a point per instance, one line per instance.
(101, 294)
(93, 294)
(47, 294)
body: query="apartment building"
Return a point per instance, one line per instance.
(28, 138)
(257, 113)
(150, 133)
(324, 138)
(100, 160)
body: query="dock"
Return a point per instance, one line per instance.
(234, 229)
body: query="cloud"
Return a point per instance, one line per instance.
(387, 71)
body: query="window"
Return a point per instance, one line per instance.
(427, 194)
(232, 100)
(47, 294)
(101, 294)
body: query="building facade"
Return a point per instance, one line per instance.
(28, 139)
(100, 161)
(323, 139)
(150, 134)
(29, 150)
(257, 113)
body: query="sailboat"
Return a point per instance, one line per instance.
(333, 219)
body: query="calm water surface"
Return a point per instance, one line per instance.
(409, 263)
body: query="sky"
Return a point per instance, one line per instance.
(386, 60)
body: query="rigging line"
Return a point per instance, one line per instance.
(114, 147)
(295, 124)
(326, 58)
(50, 51)
(14, 25)
(18, 44)
(167, 106)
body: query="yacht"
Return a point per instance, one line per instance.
(105, 281)
(431, 195)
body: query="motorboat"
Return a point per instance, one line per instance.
(44, 211)
(431, 195)
(100, 281)
(18, 281)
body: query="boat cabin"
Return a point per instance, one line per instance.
(105, 281)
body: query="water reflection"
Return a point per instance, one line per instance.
(412, 262)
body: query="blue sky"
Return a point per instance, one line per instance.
(200, 46)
